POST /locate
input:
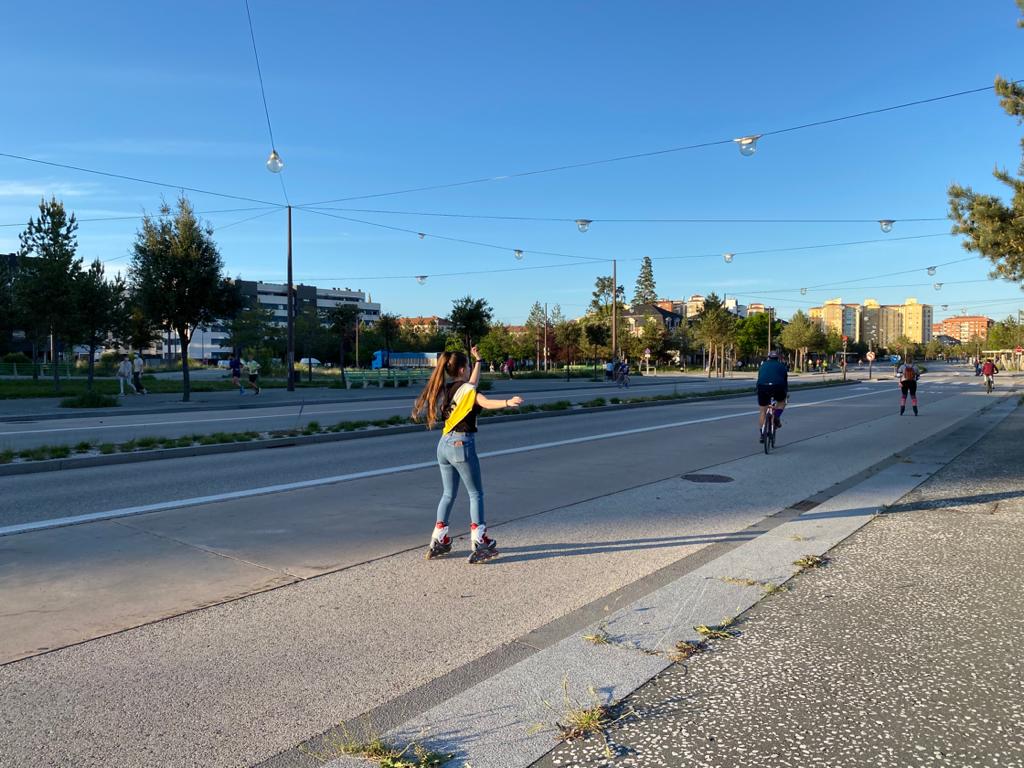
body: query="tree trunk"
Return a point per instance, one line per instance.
(92, 364)
(53, 362)
(186, 384)
(35, 361)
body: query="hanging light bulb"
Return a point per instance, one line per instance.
(728, 257)
(931, 270)
(747, 144)
(420, 235)
(945, 307)
(583, 224)
(803, 291)
(886, 224)
(518, 254)
(937, 286)
(274, 162)
(421, 279)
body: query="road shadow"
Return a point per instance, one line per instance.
(573, 549)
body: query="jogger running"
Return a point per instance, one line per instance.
(452, 395)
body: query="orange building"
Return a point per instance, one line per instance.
(964, 327)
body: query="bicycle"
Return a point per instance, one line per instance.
(989, 384)
(768, 428)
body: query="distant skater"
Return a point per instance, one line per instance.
(908, 377)
(451, 395)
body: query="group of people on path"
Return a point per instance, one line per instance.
(129, 374)
(251, 367)
(617, 371)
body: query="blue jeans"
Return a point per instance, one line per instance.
(460, 462)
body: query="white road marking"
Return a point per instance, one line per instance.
(298, 485)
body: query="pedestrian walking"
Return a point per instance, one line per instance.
(137, 368)
(510, 367)
(124, 373)
(908, 376)
(609, 370)
(451, 395)
(235, 364)
(253, 369)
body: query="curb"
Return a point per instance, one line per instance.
(57, 465)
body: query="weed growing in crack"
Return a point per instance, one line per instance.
(384, 754)
(721, 631)
(684, 649)
(741, 582)
(811, 561)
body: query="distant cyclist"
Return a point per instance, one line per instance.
(989, 370)
(908, 376)
(772, 382)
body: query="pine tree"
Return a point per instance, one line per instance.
(993, 228)
(645, 291)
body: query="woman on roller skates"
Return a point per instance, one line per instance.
(451, 394)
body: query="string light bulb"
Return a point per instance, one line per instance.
(583, 224)
(274, 162)
(937, 286)
(886, 224)
(518, 254)
(421, 279)
(747, 144)
(420, 235)
(932, 270)
(945, 307)
(803, 291)
(728, 257)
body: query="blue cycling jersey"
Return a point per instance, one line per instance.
(773, 373)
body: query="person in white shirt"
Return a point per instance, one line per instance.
(124, 373)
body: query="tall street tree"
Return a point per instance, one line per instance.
(341, 324)
(45, 292)
(801, 335)
(645, 291)
(470, 319)
(537, 324)
(389, 329)
(991, 226)
(101, 310)
(715, 329)
(177, 276)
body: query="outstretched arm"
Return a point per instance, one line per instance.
(492, 405)
(474, 377)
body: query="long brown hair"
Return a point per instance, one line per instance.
(448, 364)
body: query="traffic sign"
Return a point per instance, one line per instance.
(647, 353)
(845, 339)
(870, 356)
(894, 359)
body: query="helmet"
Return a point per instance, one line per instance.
(774, 354)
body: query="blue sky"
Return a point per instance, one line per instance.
(370, 97)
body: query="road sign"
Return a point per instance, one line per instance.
(845, 339)
(870, 356)
(647, 353)
(894, 359)
(1019, 350)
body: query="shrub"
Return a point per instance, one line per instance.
(6, 456)
(17, 358)
(560, 405)
(127, 447)
(147, 443)
(60, 451)
(107, 448)
(615, 401)
(597, 402)
(34, 454)
(83, 447)
(89, 400)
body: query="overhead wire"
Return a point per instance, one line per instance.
(137, 179)
(652, 153)
(263, 93)
(141, 216)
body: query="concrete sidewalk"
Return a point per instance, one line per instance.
(904, 650)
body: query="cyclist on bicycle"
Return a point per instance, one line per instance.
(772, 382)
(988, 370)
(908, 376)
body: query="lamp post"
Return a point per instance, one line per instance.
(615, 311)
(275, 165)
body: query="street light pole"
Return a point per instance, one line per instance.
(545, 337)
(291, 310)
(615, 311)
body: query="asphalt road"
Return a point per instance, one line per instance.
(239, 413)
(582, 506)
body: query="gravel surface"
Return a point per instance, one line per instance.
(904, 651)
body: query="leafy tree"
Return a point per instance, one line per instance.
(933, 349)
(341, 324)
(833, 342)
(801, 335)
(601, 301)
(45, 289)
(7, 307)
(715, 329)
(389, 328)
(993, 228)
(497, 344)
(678, 341)
(308, 333)
(101, 310)
(645, 291)
(752, 334)
(653, 336)
(177, 276)
(536, 324)
(597, 335)
(568, 335)
(1004, 334)
(470, 319)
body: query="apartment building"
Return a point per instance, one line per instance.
(426, 324)
(963, 328)
(876, 324)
